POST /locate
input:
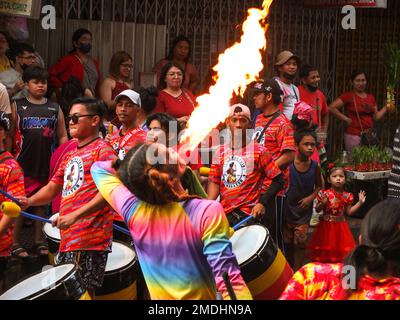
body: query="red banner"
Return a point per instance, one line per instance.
(342, 3)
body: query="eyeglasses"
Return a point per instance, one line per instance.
(173, 74)
(130, 66)
(75, 118)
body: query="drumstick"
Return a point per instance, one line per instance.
(13, 210)
(228, 285)
(9, 196)
(236, 226)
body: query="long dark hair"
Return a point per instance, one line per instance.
(379, 251)
(178, 39)
(150, 183)
(148, 97)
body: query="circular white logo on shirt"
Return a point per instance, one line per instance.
(73, 176)
(121, 154)
(257, 133)
(234, 172)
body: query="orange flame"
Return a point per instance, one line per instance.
(237, 67)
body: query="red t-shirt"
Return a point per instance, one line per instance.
(315, 99)
(177, 107)
(278, 137)
(12, 182)
(123, 143)
(92, 231)
(366, 109)
(240, 175)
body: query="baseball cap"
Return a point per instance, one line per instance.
(240, 109)
(131, 95)
(4, 121)
(284, 57)
(303, 111)
(267, 86)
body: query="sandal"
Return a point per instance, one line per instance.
(42, 249)
(18, 251)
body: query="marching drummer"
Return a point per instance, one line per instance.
(12, 182)
(239, 169)
(85, 220)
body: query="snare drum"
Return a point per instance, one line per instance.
(57, 283)
(53, 238)
(262, 264)
(121, 274)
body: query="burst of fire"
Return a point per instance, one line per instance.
(237, 67)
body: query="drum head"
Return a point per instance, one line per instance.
(50, 231)
(34, 285)
(120, 257)
(247, 241)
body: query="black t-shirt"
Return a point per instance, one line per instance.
(37, 124)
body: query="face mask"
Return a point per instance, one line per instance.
(289, 76)
(311, 88)
(85, 47)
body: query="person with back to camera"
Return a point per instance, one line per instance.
(182, 242)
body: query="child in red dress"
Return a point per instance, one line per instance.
(332, 240)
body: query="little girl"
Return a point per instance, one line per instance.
(332, 239)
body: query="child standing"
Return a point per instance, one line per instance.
(305, 183)
(332, 240)
(40, 128)
(11, 181)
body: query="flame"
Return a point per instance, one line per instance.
(237, 67)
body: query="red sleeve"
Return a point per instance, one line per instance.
(346, 97)
(324, 105)
(270, 168)
(350, 199)
(160, 106)
(15, 185)
(107, 153)
(56, 70)
(58, 177)
(286, 136)
(216, 168)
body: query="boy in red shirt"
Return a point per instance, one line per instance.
(275, 132)
(12, 182)
(239, 169)
(86, 222)
(128, 104)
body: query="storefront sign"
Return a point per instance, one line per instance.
(24, 8)
(342, 3)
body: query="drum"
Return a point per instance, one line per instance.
(121, 269)
(57, 283)
(53, 239)
(262, 264)
(120, 278)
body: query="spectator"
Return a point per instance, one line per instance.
(374, 264)
(35, 142)
(8, 75)
(174, 99)
(120, 79)
(360, 110)
(79, 64)
(148, 96)
(180, 53)
(287, 65)
(310, 94)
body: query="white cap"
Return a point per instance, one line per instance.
(131, 95)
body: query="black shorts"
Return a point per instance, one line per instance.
(91, 265)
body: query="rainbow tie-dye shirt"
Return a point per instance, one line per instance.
(183, 248)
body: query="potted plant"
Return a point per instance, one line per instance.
(392, 65)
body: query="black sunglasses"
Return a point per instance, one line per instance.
(75, 118)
